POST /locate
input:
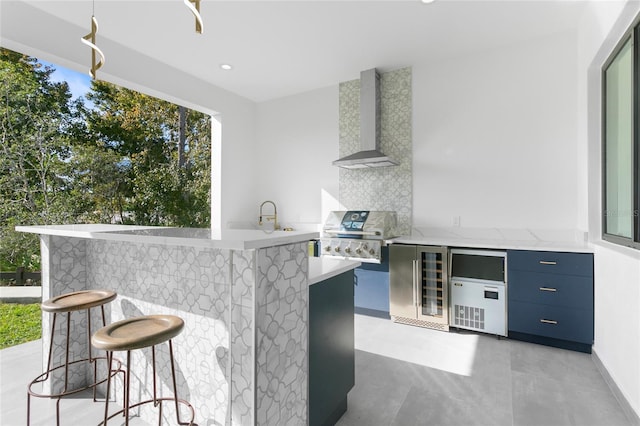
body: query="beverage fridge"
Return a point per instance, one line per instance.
(418, 292)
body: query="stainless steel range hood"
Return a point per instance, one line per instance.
(369, 154)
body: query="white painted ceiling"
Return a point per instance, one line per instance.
(278, 48)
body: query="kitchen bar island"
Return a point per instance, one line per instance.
(242, 358)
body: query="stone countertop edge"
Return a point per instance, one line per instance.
(504, 244)
(233, 239)
(322, 268)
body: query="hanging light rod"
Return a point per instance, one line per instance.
(90, 40)
(194, 7)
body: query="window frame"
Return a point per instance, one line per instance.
(632, 34)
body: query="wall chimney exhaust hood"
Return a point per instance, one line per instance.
(369, 154)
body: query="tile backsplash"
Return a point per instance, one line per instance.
(384, 188)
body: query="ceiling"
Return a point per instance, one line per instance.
(277, 48)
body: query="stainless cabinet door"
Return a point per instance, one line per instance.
(402, 293)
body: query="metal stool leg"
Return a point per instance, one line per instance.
(155, 386)
(28, 408)
(66, 357)
(93, 360)
(53, 328)
(106, 400)
(127, 390)
(175, 387)
(66, 367)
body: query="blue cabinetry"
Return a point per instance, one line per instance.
(551, 298)
(331, 348)
(371, 291)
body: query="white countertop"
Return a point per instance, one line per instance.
(235, 239)
(322, 268)
(495, 238)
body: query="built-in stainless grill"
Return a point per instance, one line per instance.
(357, 234)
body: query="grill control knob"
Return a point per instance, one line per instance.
(372, 252)
(347, 250)
(358, 250)
(327, 248)
(365, 246)
(337, 249)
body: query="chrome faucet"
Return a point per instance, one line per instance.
(273, 217)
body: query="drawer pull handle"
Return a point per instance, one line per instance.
(548, 262)
(548, 289)
(546, 321)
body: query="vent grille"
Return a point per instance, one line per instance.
(420, 323)
(468, 317)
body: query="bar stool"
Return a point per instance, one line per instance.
(137, 333)
(70, 302)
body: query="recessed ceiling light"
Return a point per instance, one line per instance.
(226, 67)
(427, 1)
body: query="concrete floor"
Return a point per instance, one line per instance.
(21, 364)
(404, 376)
(413, 376)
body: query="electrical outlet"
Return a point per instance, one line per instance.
(456, 221)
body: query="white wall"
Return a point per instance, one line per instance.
(616, 269)
(297, 139)
(617, 317)
(495, 138)
(494, 141)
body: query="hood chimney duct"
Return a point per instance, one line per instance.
(369, 154)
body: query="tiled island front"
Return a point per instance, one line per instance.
(242, 357)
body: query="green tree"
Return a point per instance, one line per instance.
(131, 158)
(34, 116)
(165, 155)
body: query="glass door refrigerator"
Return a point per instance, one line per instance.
(418, 292)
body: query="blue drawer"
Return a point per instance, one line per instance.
(569, 291)
(551, 262)
(551, 321)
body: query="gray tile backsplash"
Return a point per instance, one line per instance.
(384, 188)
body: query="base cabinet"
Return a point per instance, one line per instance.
(331, 348)
(550, 298)
(371, 288)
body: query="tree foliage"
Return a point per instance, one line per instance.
(130, 158)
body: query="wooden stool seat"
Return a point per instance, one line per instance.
(78, 300)
(137, 333)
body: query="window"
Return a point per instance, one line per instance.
(621, 148)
